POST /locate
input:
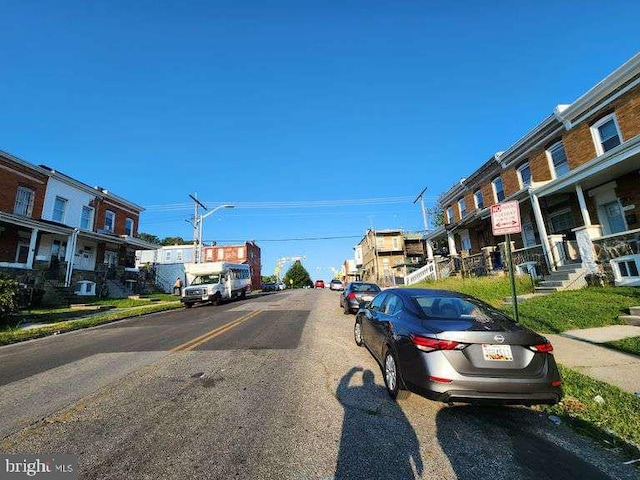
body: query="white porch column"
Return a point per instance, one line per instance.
(32, 247)
(584, 237)
(542, 230)
(452, 244)
(586, 218)
(429, 251)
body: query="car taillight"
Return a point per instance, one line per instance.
(556, 383)
(440, 379)
(428, 344)
(542, 347)
(351, 296)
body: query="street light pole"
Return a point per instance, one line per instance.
(200, 221)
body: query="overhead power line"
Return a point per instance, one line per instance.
(295, 204)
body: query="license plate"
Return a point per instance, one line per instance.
(366, 298)
(497, 353)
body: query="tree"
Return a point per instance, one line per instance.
(173, 241)
(299, 275)
(147, 237)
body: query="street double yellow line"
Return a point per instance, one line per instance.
(196, 342)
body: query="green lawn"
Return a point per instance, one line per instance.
(628, 345)
(60, 320)
(614, 420)
(492, 290)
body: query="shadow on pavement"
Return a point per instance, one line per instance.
(377, 440)
(506, 442)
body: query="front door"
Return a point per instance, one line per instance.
(615, 217)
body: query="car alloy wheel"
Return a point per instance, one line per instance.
(357, 333)
(391, 375)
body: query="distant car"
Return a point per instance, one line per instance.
(452, 347)
(269, 287)
(280, 286)
(356, 293)
(335, 284)
(319, 284)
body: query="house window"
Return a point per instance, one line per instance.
(240, 252)
(524, 175)
(379, 242)
(86, 221)
(167, 256)
(561, 221)
(128, 227)
(24, 202)
(395, 243)
(558, 158)
(179, 255)
(220, 254)
(498, 189)
(478, 199)
(606, 134)
(614, 217)
(110, 258)
(465, 241)
(109, 221)
(462, 207)
(628, 268)
(450, 215)
(59, 208)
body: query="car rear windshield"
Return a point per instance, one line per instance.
(455, 308)
(365, 287)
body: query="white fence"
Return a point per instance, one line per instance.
(428, 272)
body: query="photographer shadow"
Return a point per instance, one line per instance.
(377, 440)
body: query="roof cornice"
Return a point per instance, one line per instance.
(618, 78)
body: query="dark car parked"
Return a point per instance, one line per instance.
(356, 293)
(452, 347)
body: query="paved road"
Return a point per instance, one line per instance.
(270, 387)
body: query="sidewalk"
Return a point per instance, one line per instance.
(579, 350)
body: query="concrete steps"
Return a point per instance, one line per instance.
(633, 318)
(566, 277)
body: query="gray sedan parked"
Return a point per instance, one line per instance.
(356, 293)
(452, 347)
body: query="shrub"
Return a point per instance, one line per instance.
(8, 296)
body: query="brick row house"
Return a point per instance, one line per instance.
(576, 176)
(56, 231)
(248, 253)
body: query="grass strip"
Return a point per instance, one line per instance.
(627, 345)
(14, 335)
(613, 421)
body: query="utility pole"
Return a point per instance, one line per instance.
(196, 228)
(424, 211)
(426, 224)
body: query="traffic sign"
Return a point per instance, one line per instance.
(505, 218)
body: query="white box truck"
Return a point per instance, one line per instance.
(215, 282)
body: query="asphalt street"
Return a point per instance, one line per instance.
(269, 387)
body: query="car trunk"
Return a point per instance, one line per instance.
(495, 347)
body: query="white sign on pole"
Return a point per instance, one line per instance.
(505, 218)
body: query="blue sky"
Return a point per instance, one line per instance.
(317, 120)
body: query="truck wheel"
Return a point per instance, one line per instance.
(188, 305)
(216, 300)
(243, 295)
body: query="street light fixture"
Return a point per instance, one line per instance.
(200, 221)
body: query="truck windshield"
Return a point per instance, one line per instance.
(204, 279)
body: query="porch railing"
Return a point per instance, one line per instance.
(531, 255)
(474, 264)
(427, 272)
(446, 267)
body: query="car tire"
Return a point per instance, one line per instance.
(216, 300)
(346, 310)
(391, 374)
(357, 333)
(188, 305)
